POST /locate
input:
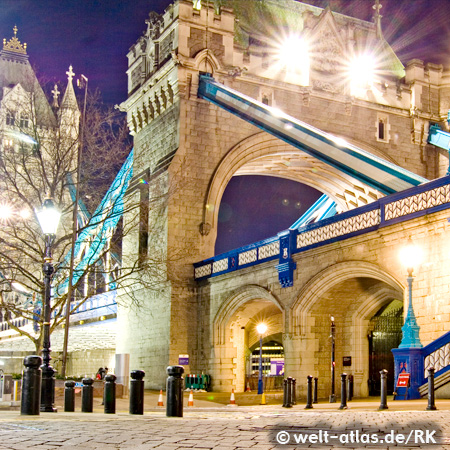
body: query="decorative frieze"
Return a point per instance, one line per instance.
(336, 229)
(439, 359)
(266, 251)
(418, 202)
(220, 266)
(248, 257)
(202, 271)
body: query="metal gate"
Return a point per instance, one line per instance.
(385, 334)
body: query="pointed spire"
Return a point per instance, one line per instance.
(69, 100)
(377, 18)
(70, 74)
(55, 93)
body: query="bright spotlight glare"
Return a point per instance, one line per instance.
(294, 52)
(5, 211)
(362, 70)
(261, 328)
(25, 213)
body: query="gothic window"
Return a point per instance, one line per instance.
(383, 128)
(10, 118)
(24, 121)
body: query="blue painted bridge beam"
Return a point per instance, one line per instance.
(356, 162)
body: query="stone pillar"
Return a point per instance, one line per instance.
(239, 342)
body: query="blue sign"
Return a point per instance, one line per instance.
(183, 360)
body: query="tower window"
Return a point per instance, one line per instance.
(10, 118)
(24, 121)
(382, 133)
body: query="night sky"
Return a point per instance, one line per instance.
(94, 37)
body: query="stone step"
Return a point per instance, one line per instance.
(439, 382)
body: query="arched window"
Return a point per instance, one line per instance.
(24, 120)
(10, 118)
(382, 133)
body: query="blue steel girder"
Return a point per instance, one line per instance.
(93, 238)
(376, 172)
(441, 139)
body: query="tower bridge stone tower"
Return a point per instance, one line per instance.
(187, 150)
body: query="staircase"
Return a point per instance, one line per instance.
(437, 355)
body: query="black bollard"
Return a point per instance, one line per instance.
(109, 394)
(31, 386)
(350, 387)
(294, 393)
(309, 393)
(69, 396)
(383, 402)
(343, 391)
(285, 393)
(289, 393)
(431, 405)
(87, 395)
(137, 392)
(174, 387)
(316, 382)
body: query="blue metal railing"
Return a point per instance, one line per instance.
(415, 202)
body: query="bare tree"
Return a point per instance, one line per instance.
(38, 158)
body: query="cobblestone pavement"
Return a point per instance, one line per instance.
(256, 427)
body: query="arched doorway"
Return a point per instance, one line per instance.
(385, 333)
(352, 293)
(236, 336)
(272, 364)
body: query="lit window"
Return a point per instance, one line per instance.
(8, 144)
(197, 4)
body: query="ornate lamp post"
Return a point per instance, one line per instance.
(410, 256)
(48, 217)
(333, 360)
(261, 329)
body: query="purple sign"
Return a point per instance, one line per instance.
(277, 367)
(183, 360)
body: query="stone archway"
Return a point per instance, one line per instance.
(235, 333)
(351, 292)
(263, 154)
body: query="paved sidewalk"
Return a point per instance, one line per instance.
(259, 427)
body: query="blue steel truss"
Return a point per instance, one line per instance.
(356, 162)
(441, 139)
(93, 238)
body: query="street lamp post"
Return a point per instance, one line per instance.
(261, 329)
(333, 360)
(410, 330)
(48, 217)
